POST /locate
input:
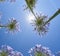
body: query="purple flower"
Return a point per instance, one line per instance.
(40, 50)
(8, 51)
(13, 25)
(39, 26)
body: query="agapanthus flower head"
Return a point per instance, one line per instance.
(8, 51)
(13, 25)
(39, 22)
(40, 50)
(31, 3)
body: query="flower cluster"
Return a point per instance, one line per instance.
(13, 25)
(8, 51)
(39, 24)
(40, 50)
(31, 3)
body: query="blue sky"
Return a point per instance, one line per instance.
(27, 38)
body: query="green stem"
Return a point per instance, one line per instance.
(33, 12)
(54, 15)
(31, 9)
(2, 26)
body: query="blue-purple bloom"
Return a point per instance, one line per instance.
(38, 24)
(40, 50)
(8, 51)
(13, 25)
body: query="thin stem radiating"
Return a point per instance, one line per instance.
(33, 13)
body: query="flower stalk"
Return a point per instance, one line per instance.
(30, 5)
(1, 26)
(52, 17)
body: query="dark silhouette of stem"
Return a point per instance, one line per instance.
(2, 26)
(31, 9)
(33, 13)
(54, 15)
